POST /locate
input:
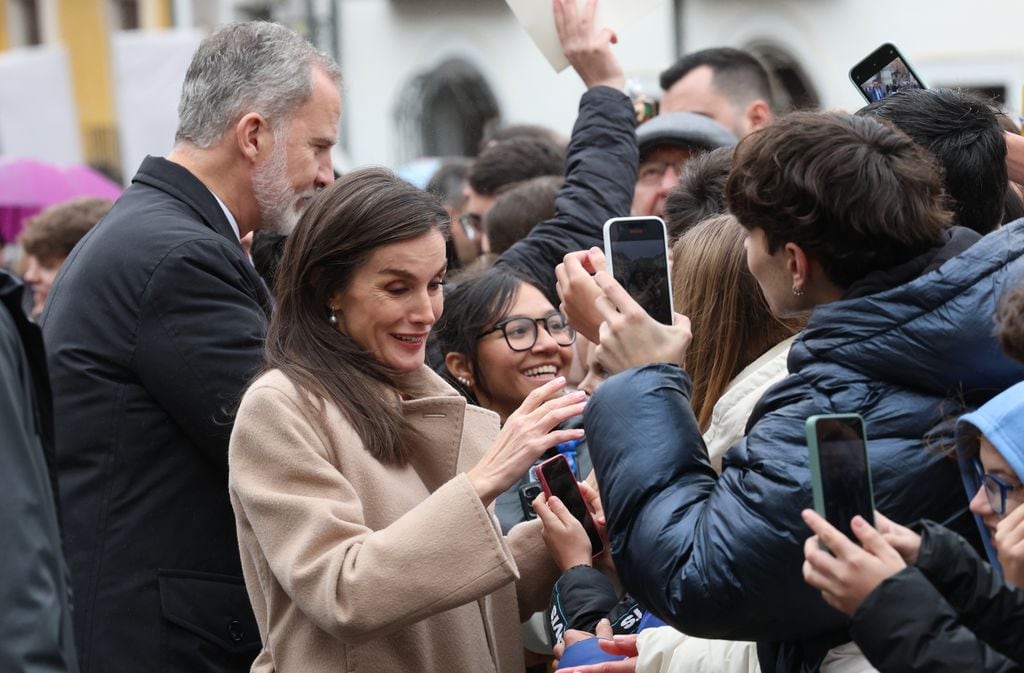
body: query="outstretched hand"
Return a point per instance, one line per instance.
(624, 646)
(528, 433)
(588, 51)
(847, 575)
(630, 337)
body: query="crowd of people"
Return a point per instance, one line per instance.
(260, 417)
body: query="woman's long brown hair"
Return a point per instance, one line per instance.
(359, 213)
(731, 322)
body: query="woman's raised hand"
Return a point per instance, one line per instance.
(527, 434)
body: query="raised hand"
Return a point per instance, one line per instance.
(630, 337)
(527, 434)
(578, 291)
(588, 51)
(847, 575)
(564, 536)
(1009, 542)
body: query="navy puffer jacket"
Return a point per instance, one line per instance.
(721, 556)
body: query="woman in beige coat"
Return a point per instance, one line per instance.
(361, 482)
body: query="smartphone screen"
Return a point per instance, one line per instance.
(843, 480)
(557, 479)
(636, 251)
(884, 72)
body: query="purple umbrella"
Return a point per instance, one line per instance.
(28, 186)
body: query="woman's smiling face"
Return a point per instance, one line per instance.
(511, 375)
(394, 299)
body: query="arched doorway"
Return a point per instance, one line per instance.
(446, 112)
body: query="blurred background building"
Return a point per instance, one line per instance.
(97, 81)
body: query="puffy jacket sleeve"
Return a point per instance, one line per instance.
(601, 169)
(717, 557)
(905, 625)
(307, 522)
(582, 597)
(983, 601)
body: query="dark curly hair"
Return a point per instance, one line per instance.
(853, 192)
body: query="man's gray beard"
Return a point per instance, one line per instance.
(274, 196)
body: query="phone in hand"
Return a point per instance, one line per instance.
(884, 72)
(636, 250)
(840, 470)
(557, 479)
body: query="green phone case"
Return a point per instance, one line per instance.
(814, 460)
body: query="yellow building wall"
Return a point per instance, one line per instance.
(4, 40)
(85, 34)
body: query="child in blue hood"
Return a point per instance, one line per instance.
(990, 445)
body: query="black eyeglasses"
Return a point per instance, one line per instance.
(995, 489)
(521, 332)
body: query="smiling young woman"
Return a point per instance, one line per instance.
(501, 339)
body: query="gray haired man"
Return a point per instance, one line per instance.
(154, 326)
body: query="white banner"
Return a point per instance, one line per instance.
(149, 68)
(38, 117)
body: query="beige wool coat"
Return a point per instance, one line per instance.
(356, 566)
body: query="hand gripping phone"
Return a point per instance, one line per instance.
(636, 251)
(840, 470)
(884, 72)
(556, 478)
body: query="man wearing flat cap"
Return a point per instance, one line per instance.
(666, 143)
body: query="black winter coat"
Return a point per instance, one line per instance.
(949, 612)
(35, 629)
(721, 557)
(154, 326)
(600, 174)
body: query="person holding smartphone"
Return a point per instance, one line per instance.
(846, 220)
(921, 599)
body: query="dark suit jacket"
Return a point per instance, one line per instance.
(154, 326)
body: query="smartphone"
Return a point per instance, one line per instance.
(840, 470)
(636, 250)
(557, 479)
(883, 72)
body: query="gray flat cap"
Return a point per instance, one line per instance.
(683, 129)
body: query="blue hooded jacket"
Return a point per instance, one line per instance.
(721, 556)
(1001, 420)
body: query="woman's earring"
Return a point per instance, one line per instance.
(333, 318)
(797, 291)
(463, 380)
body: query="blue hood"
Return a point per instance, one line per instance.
(1001, 420)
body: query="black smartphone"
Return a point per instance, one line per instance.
(883, 72)
(636, 251)
(556, 478)
(840, 470)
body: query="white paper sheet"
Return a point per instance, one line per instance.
(538, 18)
